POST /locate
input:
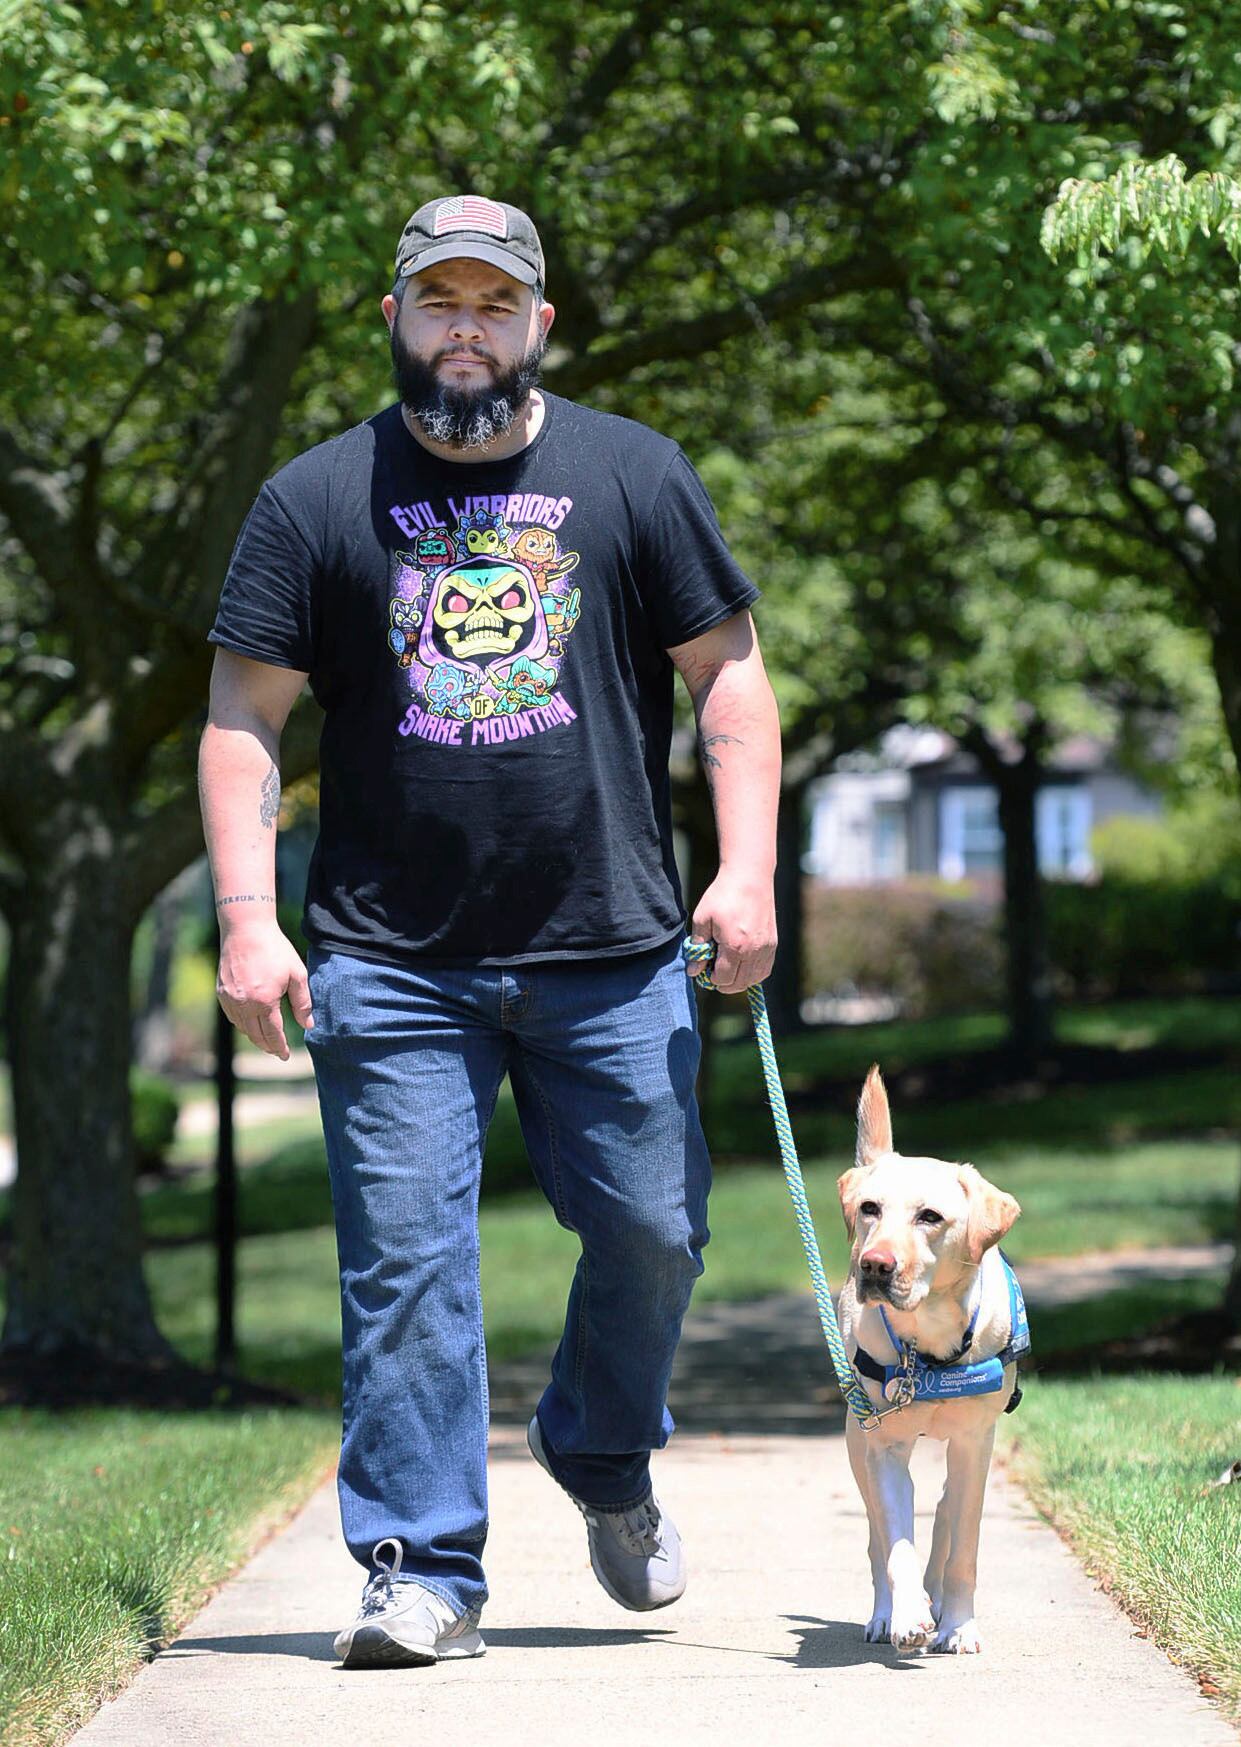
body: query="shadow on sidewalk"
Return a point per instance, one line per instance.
(840, 1644)
(317, 1646)
(823, 1643)
(304, 1646)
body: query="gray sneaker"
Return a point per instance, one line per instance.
(403, 1625)
(635, 1553)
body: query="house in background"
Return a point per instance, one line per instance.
(921, 805)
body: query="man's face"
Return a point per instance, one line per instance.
(467, 341)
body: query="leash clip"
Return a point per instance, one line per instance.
(902, 1389)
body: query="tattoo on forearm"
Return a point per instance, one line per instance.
(698, 671)
(269, 797)
(244, 898)
(709, 758)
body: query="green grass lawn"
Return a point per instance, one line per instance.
(288, 1304)
(1120, 1466)
(116, 1526)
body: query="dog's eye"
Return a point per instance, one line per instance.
(869, 1209)
(928, 1216)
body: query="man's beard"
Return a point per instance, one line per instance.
(463, 418)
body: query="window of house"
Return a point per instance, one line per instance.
(889, 850)
(970, 839)
(1062, 820)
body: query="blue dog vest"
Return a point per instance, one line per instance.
(948, 1379)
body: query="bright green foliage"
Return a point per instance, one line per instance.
(1153, 202)
(1198, 842)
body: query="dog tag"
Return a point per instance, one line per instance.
(892, 1388)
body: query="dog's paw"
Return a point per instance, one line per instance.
(957, 1640)
(878, 1628)
(912, 1627)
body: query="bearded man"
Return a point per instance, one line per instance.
(493, 890)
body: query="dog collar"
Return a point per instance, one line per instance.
(924, 1379)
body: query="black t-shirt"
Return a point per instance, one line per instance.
(488, 642)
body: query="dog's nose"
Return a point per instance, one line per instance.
(877, 1264)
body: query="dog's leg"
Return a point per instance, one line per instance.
(941, 1540)
(968, 1461)
(879, 1625)
(912, 1624)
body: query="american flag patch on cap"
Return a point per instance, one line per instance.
(470, 212)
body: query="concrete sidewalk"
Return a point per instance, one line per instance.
(766, 1644)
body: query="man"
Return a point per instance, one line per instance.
(488, 587)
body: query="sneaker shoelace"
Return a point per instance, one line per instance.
(637, 1529)
(377, 1596)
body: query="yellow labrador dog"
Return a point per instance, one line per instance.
(925, 1274)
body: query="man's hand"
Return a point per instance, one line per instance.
(257, 966)
(739, 914)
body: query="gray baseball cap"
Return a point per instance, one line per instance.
(471, 225)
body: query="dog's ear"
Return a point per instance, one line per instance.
(874, 1120)
(992, 1212)
(849, 1188)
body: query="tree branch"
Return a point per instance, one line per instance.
(1131, 465)
(39, 511)
(585, 100)
(691, 337)
(26, 770)
(186, 561)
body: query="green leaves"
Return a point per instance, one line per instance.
(1155, 205)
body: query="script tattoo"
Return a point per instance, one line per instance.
(709, 758)
(244, 898)
(269, 797)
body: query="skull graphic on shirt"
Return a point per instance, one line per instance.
(483, 612)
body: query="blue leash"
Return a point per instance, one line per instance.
(703, 952)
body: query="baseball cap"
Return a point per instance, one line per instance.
(469, 224)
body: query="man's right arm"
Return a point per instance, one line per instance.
(239, 788)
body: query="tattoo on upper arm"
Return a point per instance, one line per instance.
(711, 759)
(269, 797)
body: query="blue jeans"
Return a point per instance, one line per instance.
(602, 1057)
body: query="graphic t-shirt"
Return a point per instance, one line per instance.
(488, 642)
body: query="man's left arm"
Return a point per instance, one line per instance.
(739, 742)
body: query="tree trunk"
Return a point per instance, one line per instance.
(1232, 1291)
(1028, 974)
(783, 988)
(1218, 601)
(1226, 654)
(1223, 620)
(75, 1282)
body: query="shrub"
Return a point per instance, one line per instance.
(155, 1110)
(935, 951)
(933, 947)
(1164, 916)
(1197, 844)
(1123, 937)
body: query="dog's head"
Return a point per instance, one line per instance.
(915, 1223)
